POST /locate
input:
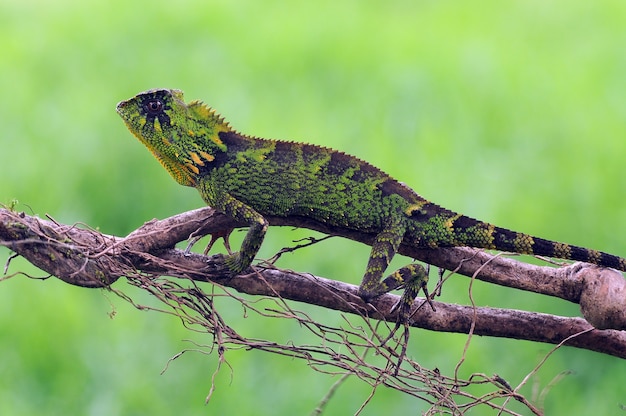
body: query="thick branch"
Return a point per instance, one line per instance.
(87, 258)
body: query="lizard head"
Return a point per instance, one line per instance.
(183, 137)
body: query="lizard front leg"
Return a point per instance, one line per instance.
(239, 211)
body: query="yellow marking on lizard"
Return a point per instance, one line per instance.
(491, 236)
(449, 223)
(258, 154)
(562, 251)
(413, 208)
(196, 159)
(486, 236)
(594, 256)
(523, 243)
(215, 138)
(192, 167)
(207, 156)
(157, 126)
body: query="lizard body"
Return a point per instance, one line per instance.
(247, 177)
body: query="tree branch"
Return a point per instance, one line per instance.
(84, 257)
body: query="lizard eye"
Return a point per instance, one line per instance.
(153, 107)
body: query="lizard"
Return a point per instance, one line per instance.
(248, 178)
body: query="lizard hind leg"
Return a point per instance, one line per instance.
(412, 277)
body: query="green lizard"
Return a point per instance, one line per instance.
(247, 178)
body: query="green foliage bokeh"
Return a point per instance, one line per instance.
(512, 112)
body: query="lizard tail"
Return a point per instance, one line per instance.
(434, 227)
(507, 240)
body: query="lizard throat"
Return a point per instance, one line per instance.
(183, 174)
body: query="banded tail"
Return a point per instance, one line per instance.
(434, 226)
(507, 240)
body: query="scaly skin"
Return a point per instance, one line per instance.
(247, 178)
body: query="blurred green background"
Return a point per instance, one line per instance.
(512, 112)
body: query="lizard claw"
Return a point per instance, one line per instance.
(405, 304)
